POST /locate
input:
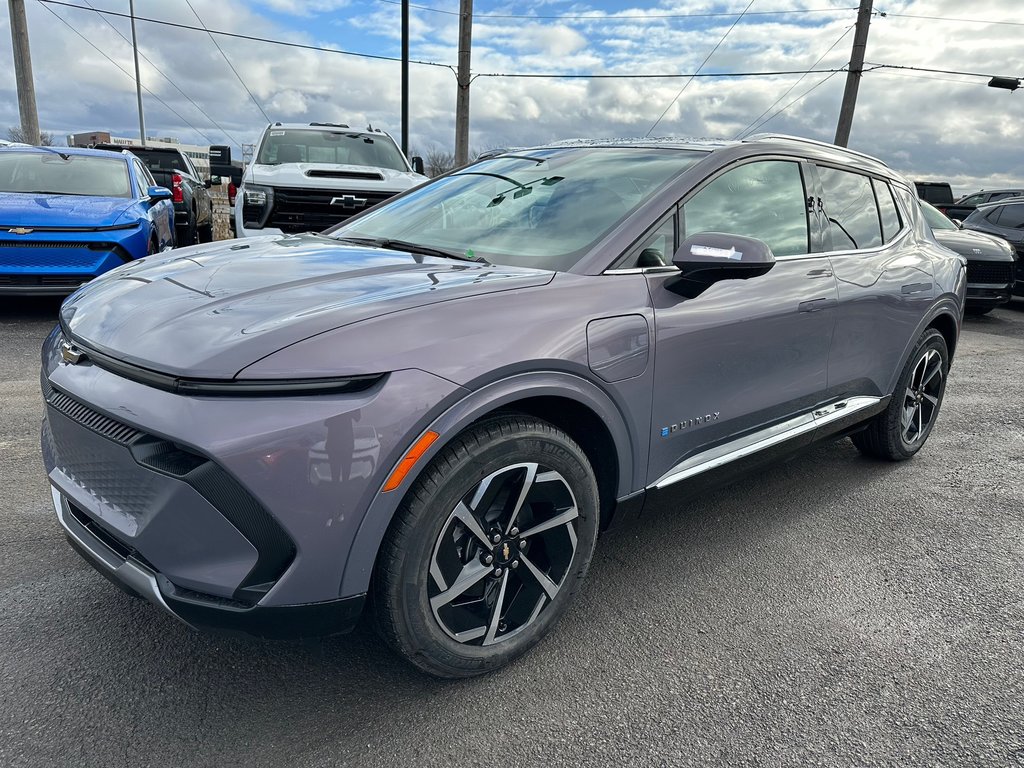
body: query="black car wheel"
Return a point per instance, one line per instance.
(488, 547)
(903, 427)
(205, 233)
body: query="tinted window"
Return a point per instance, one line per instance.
(935, 219)
(1012, 216)
(887, 210)
(284, 145)
(1000, 195)
(852, 213)
(763, 200)
(972, 200)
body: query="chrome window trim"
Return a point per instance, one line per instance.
(765, 438)
(641, 270)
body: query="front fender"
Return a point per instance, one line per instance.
(363, 552)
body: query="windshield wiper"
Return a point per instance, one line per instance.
(405, 245)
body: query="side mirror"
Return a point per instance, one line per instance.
(708, 257)
(417, 165)
(959, 224)
(156, 194)
(208, 183)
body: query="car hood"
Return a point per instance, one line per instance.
(332, 176)
(975, 246)
(19, 209)
(210, 311)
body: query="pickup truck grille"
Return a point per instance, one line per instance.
(311, 210)
(989, 272)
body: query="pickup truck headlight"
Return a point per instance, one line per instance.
(257, 202)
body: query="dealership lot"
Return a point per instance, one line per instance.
(828, 611)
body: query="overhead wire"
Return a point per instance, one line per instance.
(754, 124)
(798, 98)
(706, 59)
(214, 41)
(887, 15)
(168, 79)
(127, 73)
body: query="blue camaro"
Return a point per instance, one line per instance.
(68, 215)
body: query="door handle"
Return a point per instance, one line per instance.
(823, 272)
(815, 305)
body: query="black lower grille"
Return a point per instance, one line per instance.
(314, 210)
(994, 272)
(87, 417)
(43, 281)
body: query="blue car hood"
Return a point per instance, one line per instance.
(209, 311)
(19, 209)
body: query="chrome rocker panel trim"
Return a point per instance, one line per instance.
(765, 438)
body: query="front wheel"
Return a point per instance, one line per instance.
(488, 547)
(902, 428)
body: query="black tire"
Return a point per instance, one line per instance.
(888, 436)
(154, 246)
(487, 466)
(205, 233)
(977, 311)
(187, 234)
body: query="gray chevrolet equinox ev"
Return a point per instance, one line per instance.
(436, 406)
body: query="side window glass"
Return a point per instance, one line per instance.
(1012, 216)
(655, 249)
(140, 178)
(764, 200)
(887, 210)
(852, 213)
(972, 200)
(993, 216)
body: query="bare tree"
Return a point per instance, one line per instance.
(437, 161)
(16, 135)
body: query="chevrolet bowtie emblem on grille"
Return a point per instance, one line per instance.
(20, 231)
(505, 552)
(349, 201)
(70, 354)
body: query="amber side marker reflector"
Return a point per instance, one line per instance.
(409, 461)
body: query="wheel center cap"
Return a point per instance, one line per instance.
(505, 551)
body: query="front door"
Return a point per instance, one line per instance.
(743, 355)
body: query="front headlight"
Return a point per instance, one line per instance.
(256, 196)
(257, 202)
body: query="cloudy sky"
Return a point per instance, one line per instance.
(930, 125)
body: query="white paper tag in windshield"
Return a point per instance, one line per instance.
(717, 253)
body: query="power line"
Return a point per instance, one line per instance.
(239, 36)
(706, 59)
(126, 72)
(626, 17)
(798, 98)
(936, 71)
(214, 41)
(754, 125)
(887, 15)
(653, 76)
(924, 77)
(168, 79)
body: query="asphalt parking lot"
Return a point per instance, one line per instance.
(830, 611)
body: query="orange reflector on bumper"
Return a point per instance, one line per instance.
(409, 461)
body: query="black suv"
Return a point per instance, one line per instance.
(965, 206)
(1005, 219)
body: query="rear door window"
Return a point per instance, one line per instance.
(763, 199)
(1011, 216)
(853, 219)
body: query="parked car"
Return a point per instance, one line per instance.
(991, 262)
(965, 206)
(306, 178)
(193, 206)
(938, 193)
(68, 215)
(537, 342)
(1004, 219)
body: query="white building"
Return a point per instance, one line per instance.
(200, 155)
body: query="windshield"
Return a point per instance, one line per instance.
(539, 208)
(46, 172)
(935, 218)
(336, 147)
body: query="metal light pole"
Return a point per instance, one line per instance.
(405, 77)
(23, 73)
(138, 82)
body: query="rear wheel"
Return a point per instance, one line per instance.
(205, 233)
(903, 427)
(488, 548)
(153, 247)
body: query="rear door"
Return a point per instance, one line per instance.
(885, 288)
(743, 354)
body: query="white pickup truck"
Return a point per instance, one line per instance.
(308, 177)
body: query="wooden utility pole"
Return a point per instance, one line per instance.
(462, 98)
(860, 44)
(23, 73)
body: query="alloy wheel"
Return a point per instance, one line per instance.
(503, 554)
(921, 401)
